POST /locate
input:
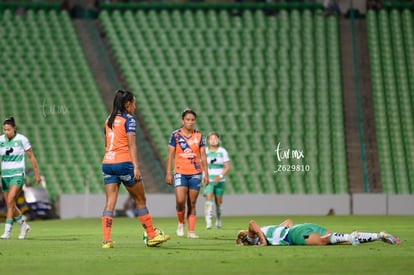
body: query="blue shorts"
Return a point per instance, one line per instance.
(189, 181)
(119, 173)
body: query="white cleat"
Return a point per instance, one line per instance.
(5, 236)
(23, 231)
(180, 230)
(192, 235)
(208, 224)
(388, 238)
(218, 224)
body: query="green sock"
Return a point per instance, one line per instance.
(19, 219)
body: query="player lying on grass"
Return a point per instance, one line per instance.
(305, 234)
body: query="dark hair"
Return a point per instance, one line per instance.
(120, 99)
(188, 111)
(10, 121)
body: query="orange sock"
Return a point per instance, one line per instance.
(180, 216)
(146, 221)
(106, 227)
(191, 223)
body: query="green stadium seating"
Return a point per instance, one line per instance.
(49, 88)
(257, 79)
(390, 39)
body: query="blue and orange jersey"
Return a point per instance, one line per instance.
(117, 149)
(187, 152)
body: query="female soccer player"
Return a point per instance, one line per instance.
(120, 165)
(218, 165)
(186, 145)
(13, 147)
(287, 233)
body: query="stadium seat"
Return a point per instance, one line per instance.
(254, 74)
(57, 93)
(391, 87)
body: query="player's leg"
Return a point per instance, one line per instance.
(365, 237)
(181, 190)
(111, 183)
(309, 234)
(10, 198)
(317, 239)
(194, 184)
(304, 231)
(111, 194)
(9, 222)
(208, 205)
(19, 219)
(17, 214)
(137, 192)
(218, 193)
(11, 189)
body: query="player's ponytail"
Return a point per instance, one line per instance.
(120, 99)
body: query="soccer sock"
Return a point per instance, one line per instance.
(365, 237)
(218, 211)
(335, 238)
(8, 225)
(191, 223)
(107, 218)
(208, 211)
(180, 216)
(146, 220)
(19, 219)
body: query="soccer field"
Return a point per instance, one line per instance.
(73, 247)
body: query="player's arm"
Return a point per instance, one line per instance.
(226, 168)
(33, 161)
(168, 172)
(132, 146)
(287, 223)
(254, 230)
(105, 135)
(204, 166)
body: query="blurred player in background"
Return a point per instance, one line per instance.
(13, 147)
(287, 233)
(218, 166)
(120, 165)
(187, 147)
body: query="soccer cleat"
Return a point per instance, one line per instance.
(388, 238)
(192, 235)
(180, 230)
(23, 231)
(353, 238)
(208, 223)
(107, 244)
(157, 240)
(218, 224)
(5, 236)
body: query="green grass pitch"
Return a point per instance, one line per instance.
(74, 247)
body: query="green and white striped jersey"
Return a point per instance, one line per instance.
(215, 161)
(12, 153)
(275, 234)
